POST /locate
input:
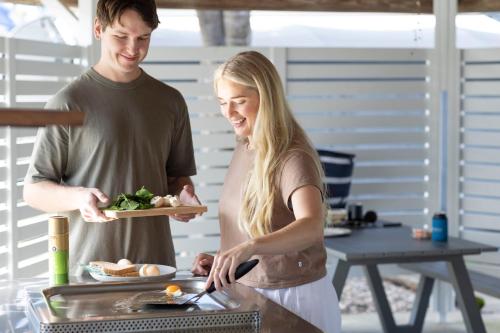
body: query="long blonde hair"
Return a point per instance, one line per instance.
(275, 134)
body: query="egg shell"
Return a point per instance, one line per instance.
(124, 262)
(142, 271)
(152, 270)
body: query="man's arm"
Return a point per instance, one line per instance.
(48, 196)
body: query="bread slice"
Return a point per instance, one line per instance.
(128, 274)
(112, 268)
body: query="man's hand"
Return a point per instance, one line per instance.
(187, 197)
(88, 199)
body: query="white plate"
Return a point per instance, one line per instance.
(166, 272)
(336, 232)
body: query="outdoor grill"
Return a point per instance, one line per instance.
(111, 307)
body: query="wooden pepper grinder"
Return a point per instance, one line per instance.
(58, 250)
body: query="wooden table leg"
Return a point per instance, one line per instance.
(465, 295)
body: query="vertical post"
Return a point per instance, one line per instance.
(279, 57)
(446, 69)
(90, 46)
(10, 140)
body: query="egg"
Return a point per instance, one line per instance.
(149, 270)
(142, 271)
(173, 290)
(124, 262)
(152, 270)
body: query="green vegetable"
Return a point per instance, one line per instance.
(140, 200)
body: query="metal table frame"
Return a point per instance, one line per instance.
(372, 247)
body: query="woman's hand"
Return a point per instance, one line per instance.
(225, 264)
(202, 264)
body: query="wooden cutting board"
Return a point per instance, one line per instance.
(155, 211)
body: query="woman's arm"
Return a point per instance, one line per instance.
(298, 235)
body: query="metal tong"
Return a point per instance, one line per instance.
(241, 270)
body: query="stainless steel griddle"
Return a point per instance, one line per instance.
(116, 307)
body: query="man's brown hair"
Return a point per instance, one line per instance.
(110, 10)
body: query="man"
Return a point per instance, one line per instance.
(136, 133)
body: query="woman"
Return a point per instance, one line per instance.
(271, 206)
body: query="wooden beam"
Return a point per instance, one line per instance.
(42, 117)
(405, 6)
(470, 6)
(391, 6)
(387, 6)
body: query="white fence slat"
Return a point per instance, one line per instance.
(213, 158)
(321, 88)
(480, 55)
(185, 262)
(30, 105)
(353, 55)
(32, 250)
(338, 138)
(380, 155)
(32, 47)
(358, 105)
(214, 141)
(358, 71)
(210, 176)
(208, 192)
(482, 71)
(490, 122)
(32, 230)
(486, 172)
(203, 106)
(329, 122)
(481, 221)
(394, 204)
(24, 212)
(481, 138)
(489, 238)
(481, 188)
(481, 104)
(218, 123)
(195, 72)
(39, 87)
(388, 188)
(195, 227)
(389, 172)
(481, 154)
(483, 88)
(35, 269)
(484, 205)
(208, 54)
(196, 245)
(44, 68)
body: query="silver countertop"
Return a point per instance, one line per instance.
(274, 318)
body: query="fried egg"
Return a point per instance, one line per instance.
(173, 290)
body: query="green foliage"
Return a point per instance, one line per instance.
(140, 200)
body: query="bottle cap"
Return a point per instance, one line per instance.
(58, 225)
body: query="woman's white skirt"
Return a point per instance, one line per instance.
(315, 302)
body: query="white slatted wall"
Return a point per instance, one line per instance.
(374, 103)
(4, 250)
(480, 153)
(35, 71)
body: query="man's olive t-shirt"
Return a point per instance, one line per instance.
(135, 134)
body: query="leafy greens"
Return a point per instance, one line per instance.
(140, 200)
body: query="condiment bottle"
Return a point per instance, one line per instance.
(58, 250)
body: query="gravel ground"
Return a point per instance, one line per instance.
(357, 298)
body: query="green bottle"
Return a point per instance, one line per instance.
(58, 250)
